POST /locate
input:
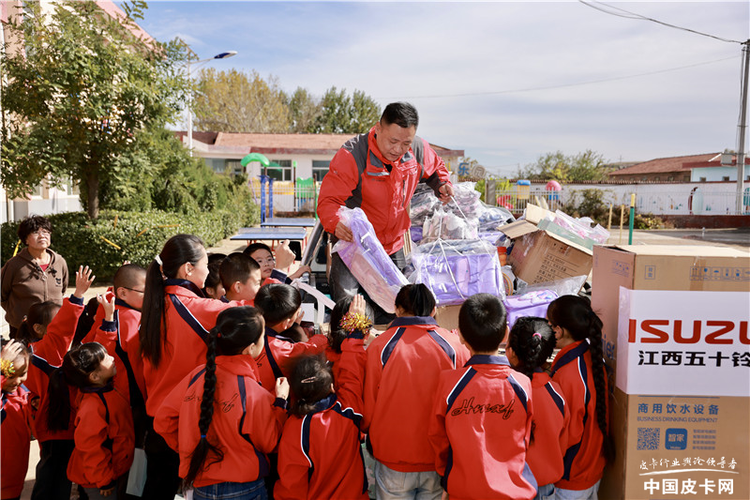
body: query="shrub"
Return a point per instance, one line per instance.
(592, 203)
(650, 221)
(139, 236)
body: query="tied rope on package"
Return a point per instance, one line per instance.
(457, 269)
(367, 260)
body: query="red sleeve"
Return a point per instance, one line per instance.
(342, 178)
(265, 417)
(293, 465)
(373, 372)
(315, 345)
(436, 432)
(573, 392)
(351, 384)
(166, 419)
(60, 332)
(434, 164)
(90, 435)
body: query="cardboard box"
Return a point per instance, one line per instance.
(660, 267)
(678, 447)
(447, 316)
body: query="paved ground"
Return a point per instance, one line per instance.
(736, 238)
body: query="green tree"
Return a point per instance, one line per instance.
(586, 166)
(341, 114)
(303, 111)
(235, 101)
(81, 95)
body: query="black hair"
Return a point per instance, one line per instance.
(77, 365)
(40, 313)
(236, 266)
(213, 279)
(416, 300)
(32, 224)
(310, 382)
(216, 257)
(178, 250)
(337, 335)
(482, 321)
(128, 276)
(532, 341)
(236, 328)
(23, 353)
(574, 314)
(402, 114)
(252, 247)
(278, 302)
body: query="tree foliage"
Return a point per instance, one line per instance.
(586, 166)
(81, 95)
(341, 114)
(235, 101)
(303, 111)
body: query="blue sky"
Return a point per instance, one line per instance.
(505, 81)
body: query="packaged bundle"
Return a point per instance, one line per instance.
(423, 205)
(367, 260)
(455, 270)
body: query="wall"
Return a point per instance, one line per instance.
(717, 173)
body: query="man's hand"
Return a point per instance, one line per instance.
(344, 233)
(446, 192)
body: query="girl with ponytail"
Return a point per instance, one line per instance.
(579, 369)
(175, 323)
(219, 417)
(530, 344)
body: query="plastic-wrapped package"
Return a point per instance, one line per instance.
(533, 303)
(455, 270)
(490, 218)
(423, 204)
(565, 286)
(447, 225)
(367, 260)
(581, 227)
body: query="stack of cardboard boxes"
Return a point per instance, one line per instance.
(676, 338)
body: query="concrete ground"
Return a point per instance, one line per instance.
(736, 238)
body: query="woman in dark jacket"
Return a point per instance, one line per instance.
(35, 274)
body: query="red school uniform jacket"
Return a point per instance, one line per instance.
(246, 424)
(359, 176)
(47, 355)
(550, 437)
(15, 436)
(584, 460)
(104, 438)
(403, 366)
(480, 430)
(189, 318)
(320, 454)
(278, 355)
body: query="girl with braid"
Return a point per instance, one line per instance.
(579, 369)
(530, 344)
(219, 419)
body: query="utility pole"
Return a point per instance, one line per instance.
(743, 128)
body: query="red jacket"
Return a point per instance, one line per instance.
(550, 438)
(15, 434)
(246, 424)
(108, 334)
(104, 438)
(307, 466)
(584, 460)
(357, 177)
(480, 430)
(403, 367)
(279, 354)
(47, 355)
(189, 318)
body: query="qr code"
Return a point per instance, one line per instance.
(648, 438)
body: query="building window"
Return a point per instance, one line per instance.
(657, 178)
(702, 179)
(280, 170)
(320, 169)
(234, 167)
(725, 178)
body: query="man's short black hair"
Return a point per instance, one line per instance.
(482, 321)
(402, 114)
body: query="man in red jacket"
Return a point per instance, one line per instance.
(379, 172)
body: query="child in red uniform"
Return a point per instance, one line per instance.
(219, 419)
(263, 255)
(281, 310)
(338, 334)
(240, 277)
(56, 441)
(481, 422)
(398, 400)
(326, 419)
(15, 420)
(175, 324)
(579, 369)
(104, 438)
(212, 287)
(530, 345)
